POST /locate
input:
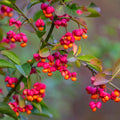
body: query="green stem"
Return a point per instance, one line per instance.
(113, 85)
(49, 33)
(94, 72)
(18, 10)
(44, 43)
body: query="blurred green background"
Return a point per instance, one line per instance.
(68, 100)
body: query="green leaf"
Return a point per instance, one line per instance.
(40, 33)
(7, 3)
(97, 68)
(5, 64)
(44, 52)
(41, 110)
(38, 106)
(78, 51)
(7, 118)
(97, 63)
(12, 56)
(78, 63)
(71, 57)
(24, 69)
(86, 58)
(27, 68)
(58, 46)
(70, 54)
(20, 69)
(66, 1)
(32, 1)
(21, 101)
(2, 72)
(92, 4)
(5, 45)
(54, 1)
(13, 1)
(1, 34)
(100, 79)
(93, 12)
(71, 11)
(39, 14)
(5, 109)
(59, 10)
(32, 4)
(2, 48)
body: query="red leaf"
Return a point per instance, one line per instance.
(100, 79)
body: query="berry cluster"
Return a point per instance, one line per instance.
(16, 108)
(37, 93)
(11, 81)
(100, 92)
(56, 61)
(33, 71)
(77, 34)
(47, 10)
(61, 22)
(5, 11)
(17, 23)
(95, 105)
(10, 46)
(67, 40)
(40, 24)
(12, 37)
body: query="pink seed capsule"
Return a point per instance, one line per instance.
(98, 105)
(30, 107)
(7, 78)
(93, 78)
(10, 81)
(92, 104)
(44, 6)
(31, 93)
(25, 39)
(25, 91)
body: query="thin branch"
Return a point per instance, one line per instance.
(20, 11)
(114, 86)
(94, 72)
(49, 33)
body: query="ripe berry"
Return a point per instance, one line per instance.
(39, 99)
(17, 113)
(35, 97)
(66, 77)
(73, 78)
(44, 70)
(116, 93)
(84, 36)
(42, 91)
(49, 74)
(94, 109)
(28, 112)
(12, 86)
(23, 44)
(94, 96)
